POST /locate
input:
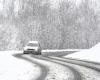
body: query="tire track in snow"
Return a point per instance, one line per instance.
(76, 74)
(85, 69)
(93, 65)
(44, 70)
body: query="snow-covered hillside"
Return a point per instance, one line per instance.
(92, 54)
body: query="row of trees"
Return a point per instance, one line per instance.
(67, 26)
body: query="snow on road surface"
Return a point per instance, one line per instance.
(87, 73)
(56, 71)
(12, 68)
(92, 54)
(84, 69)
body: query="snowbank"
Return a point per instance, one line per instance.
(12, 68)
(92, 54)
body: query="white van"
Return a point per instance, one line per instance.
(32, 47)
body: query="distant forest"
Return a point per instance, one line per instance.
(56, 24)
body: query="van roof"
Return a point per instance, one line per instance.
(33, 41)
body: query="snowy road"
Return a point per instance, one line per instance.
(55, 68)
(44, 69)
(87, 70)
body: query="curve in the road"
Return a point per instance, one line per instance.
(85, 71)
(96, 63)
(81, 63)
(77, 75)
(44, 69)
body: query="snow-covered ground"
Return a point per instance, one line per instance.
(55, 70)
(92, 54)
(12, 68)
